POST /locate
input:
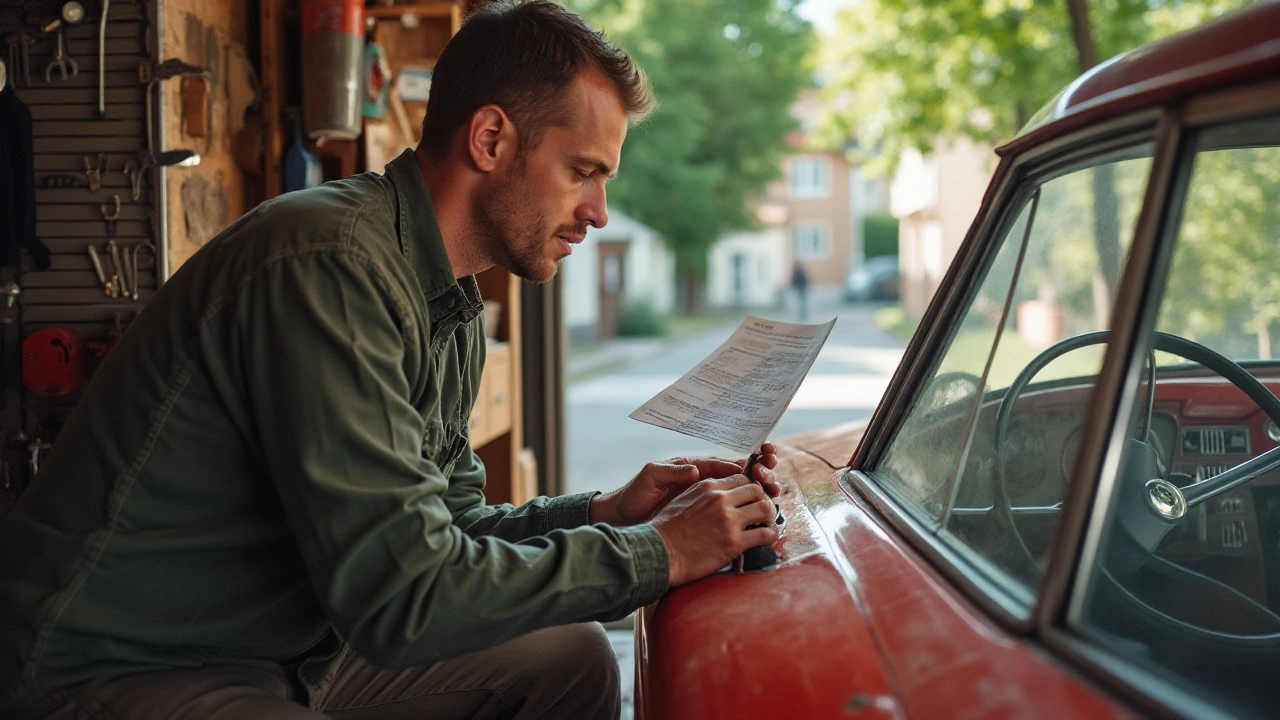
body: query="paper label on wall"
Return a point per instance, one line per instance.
(737, 395)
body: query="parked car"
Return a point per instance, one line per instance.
(875, 279)
(1066, 512)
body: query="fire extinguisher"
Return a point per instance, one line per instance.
(332, 58)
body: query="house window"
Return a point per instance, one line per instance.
(813, 242)
(810, 177)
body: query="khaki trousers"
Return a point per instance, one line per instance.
(564, 672)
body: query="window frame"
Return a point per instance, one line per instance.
(1079, 530)
(822, 232)
(817, 191)
(1143, 293)
(1005, 196)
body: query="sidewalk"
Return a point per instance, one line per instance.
(611, 354)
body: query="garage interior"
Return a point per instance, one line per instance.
(154, 124)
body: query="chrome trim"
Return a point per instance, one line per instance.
(1017, 510)
(1228, 480)
(1166, 499)
(1090, 490)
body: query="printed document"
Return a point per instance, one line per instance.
(736, 396)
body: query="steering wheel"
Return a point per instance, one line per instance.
(1148, 505)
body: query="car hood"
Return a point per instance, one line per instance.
(852, 622)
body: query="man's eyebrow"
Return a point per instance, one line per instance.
(597, 163)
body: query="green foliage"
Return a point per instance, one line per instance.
(1224, 289)
(879, 235)
(641, 319)
(923, 71)
(725, 73)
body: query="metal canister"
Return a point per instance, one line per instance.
(332, 57)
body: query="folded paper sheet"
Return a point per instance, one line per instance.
(736, 396)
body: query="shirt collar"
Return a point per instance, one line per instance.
(422, 245)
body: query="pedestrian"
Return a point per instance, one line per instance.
(800, 283)
(265, 504)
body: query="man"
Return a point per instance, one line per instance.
(266, 506)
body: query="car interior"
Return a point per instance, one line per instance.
(1187, 571)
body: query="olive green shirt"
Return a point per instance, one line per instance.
(276, 450)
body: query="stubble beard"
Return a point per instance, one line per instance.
(515, 233)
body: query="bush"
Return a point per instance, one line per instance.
(641, 319)
(879, 235)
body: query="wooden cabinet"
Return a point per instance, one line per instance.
(411, 34)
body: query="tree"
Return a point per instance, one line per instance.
(978, 68)
(725, 73)
(925, 72)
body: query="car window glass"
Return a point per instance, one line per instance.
(924, 452)
(1187, 576)
(994, 492)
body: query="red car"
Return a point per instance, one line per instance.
(1067, 502)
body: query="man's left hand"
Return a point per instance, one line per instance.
(658, 482)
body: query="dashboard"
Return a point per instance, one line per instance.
(1200, 427)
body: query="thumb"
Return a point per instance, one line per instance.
(673, 473)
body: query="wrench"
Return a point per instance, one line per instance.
(102, 67)
(61, 59)
(111, 216)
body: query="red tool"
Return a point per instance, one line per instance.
(53, 362)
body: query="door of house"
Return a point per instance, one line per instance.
(613, 257)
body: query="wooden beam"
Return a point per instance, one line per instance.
(273, 140)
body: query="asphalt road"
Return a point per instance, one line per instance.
(606, 448)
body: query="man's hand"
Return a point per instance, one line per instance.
(707, 526)
(656, 483)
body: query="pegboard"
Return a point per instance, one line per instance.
(70, 141)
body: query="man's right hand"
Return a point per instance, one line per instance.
(706, 527)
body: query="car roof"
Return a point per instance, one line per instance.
(1239, 46)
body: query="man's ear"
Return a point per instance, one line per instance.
(490, 137)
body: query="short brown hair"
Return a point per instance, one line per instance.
(522, 56)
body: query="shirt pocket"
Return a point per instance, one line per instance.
(444, 444)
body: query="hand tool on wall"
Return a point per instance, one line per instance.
(111, 215)
(102, 65)
(117, 268)
(61, 59)
(61, 180)
(135, 278)
(134, 174)
(10, 293)
(94, 172)
(108, 288)
(129, 288)
(18, 44)
(151, 73)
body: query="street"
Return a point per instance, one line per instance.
(605, 447)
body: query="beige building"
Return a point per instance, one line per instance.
(811, 217)
(935, 199)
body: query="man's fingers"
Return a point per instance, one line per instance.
(746, 494)
(756, 537)
(672, 472)
(709, 467)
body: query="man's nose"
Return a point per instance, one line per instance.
(594, 209)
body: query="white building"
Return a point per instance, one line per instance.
(624, 263)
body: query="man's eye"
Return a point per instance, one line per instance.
(583, 176)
